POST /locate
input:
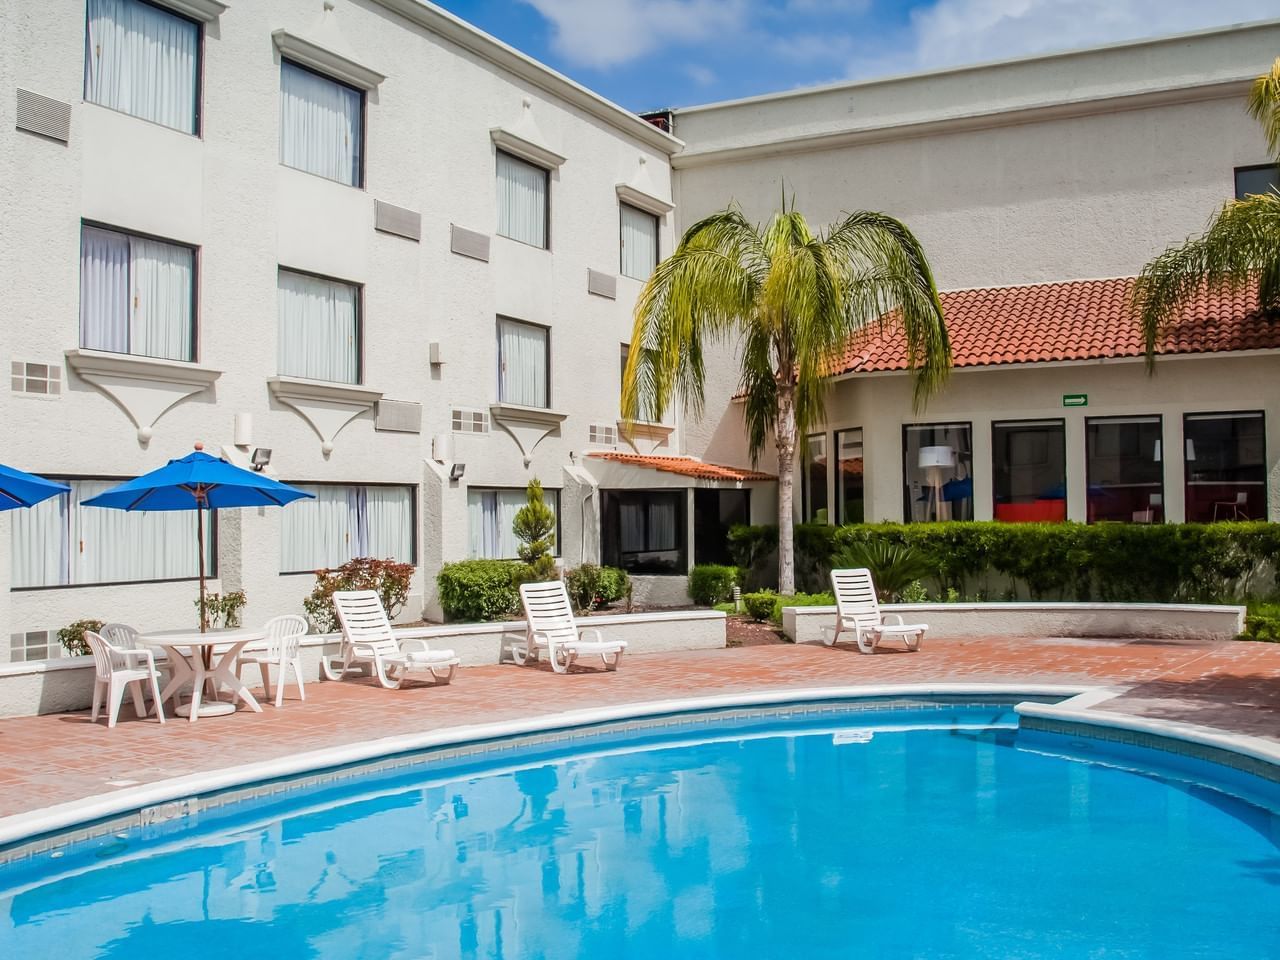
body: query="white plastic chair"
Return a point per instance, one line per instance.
(550, 626)
(858, 613)
(367, 638)
(125, 637)
(116, 668)
(284, 635)
(1237, 509)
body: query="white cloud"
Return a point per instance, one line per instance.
(606, 33)
(951, 32)
(700, 75)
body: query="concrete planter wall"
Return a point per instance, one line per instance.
(947, 620)
(52, 686)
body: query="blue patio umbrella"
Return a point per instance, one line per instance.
(198, 482)
(19, 489)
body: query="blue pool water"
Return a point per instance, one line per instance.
(869, 835)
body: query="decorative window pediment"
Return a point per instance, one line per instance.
(524, 140)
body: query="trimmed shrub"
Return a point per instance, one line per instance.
(613, 585)
(72, 636)
(759, 606)
(1262, 623)
(591, 587)
(710, 583)
(476, 591)
(387, 577)
(767, 605)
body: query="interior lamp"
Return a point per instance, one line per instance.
(934, 459)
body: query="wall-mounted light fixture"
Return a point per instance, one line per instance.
(261, 457)
(457, 470)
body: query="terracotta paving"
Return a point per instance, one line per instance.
(61, 757)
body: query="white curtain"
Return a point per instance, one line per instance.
(490, 515)
(344, 522)
(639, 243)
(142, 60)
(60, 542)
(632, 521)
(321, 122)
(318, 328)
(522, 364)
(135, 295)
(522, 201)
(662, 525)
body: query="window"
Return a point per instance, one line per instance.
(344, 522)
(938, 472)
(639, 242)
(1260, 179)
(714, 513)
(523, 200)
(143, 61)
(1029, 467)
(61, 543)
(813, 494)
(321, 125)
(490, 514)
(1226, 466)
(1123, 464)
(849, 496)
(643, 531)
(319, 328)
(137, 295)
(522, 363)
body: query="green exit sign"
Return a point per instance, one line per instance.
(1075, 399)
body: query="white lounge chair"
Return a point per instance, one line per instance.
(550, 626)
(283, 636)
(367, 638)
(116, 668)
(858, 613)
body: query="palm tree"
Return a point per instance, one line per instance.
(791, 300)
(1240, 245)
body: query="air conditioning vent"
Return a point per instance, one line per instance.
(389, 218)
(44, 379)
(399, 416)
(44, 115)
(603, 433)
(470, 421)
(469, 243)
(602, 284)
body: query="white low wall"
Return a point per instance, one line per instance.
(52, 686)
(1161, 621)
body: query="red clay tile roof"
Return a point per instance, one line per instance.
(1075, 320)
(684, 466)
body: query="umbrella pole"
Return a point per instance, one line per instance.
(204, 618)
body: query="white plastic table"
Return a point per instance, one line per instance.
(185, 650)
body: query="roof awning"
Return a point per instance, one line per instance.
(689, 468)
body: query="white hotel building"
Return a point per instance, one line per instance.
(401, 257)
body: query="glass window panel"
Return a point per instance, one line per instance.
(849, 474)
(643, 531)
(1226, 472)
(142, 61)
(319, 328)
(522, 364)
(938, 472)
(344, 522)
(522, 200)
(1123, 461)
(814, 486)
(321, 125)
(1252, 180)
(1029, 471)
(491, 514)
(639, 243)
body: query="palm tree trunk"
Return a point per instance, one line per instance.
(785, 441)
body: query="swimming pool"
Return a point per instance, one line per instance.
(897, 830)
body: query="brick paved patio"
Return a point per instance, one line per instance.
(61, 757)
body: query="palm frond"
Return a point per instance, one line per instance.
(1241, 243)
(1264, 106)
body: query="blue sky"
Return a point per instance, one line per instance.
(646, 54)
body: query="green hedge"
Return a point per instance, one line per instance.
(475, 591)
(767, 605)
(591, 586)
(1189, 562)
(710, 583)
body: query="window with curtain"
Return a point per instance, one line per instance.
(813, 493)
(344, 522)
(321, 125)
(937, 471)
(523, 191)
(143, 61)
(1029, 471)
(639, 242)
(1124, 468)
(137, 295)
(1226, 466)
(849, 473)
(62, 543)
(1257, 180)
(522, 363)
(319, 336)
(643, 531)
(490, 514)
